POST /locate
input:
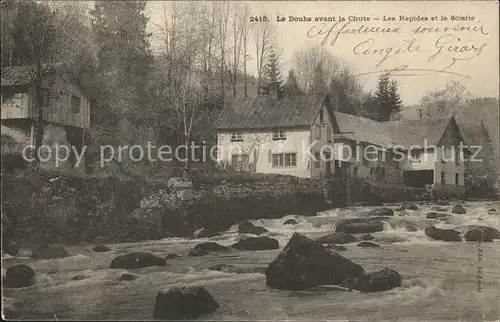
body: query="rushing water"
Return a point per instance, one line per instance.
(440, 278)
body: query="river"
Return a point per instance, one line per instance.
(440, 279)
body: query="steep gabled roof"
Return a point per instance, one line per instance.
(362, 129)
(266, 112)
(415, 132)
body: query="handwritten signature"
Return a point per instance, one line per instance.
(444, 46)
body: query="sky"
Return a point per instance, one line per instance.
(422, 55)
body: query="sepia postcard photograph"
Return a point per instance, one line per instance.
(250, 160)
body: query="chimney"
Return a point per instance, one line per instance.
(273, 90)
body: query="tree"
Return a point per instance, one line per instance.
(319, 84)
(388, 100)
(272, 73)
(264, 37)
(291, 87)
(445, 101)
(40, 36)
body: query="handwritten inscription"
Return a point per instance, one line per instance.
(446, 49)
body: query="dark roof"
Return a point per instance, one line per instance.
(15, 75)
(362, 129)
(266, 112)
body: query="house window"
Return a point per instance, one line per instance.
(419, 113)
(443, 177)
(354, 149)
(279, 135)
(284, 160)
(75, 104)
(317, 156)
(457, 178)
(329, 134)
(45, 98)
(321, 116)
(457, 157)
(235, 136)
(318, 132)
(355, 172)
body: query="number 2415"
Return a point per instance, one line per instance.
(259, 19)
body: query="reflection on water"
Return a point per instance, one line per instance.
(440, 278)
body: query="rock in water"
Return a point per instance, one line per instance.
(10, 247)
(492, 210)
(79, 277)
(481, 233)
(290, 222)
(49, 252)
(211, 246)
(247, 227)
(203, 233)
(443, 234)
(442, 203)
(435, 215)
(367, 237)
(184, 303)
(196, 252)
(257, 243)
(137, 260)
(380, 212)
(382, 280)
(19, 276)
(336, 238)
(128, 277)
(304, 263)
(101, 248)
(458, 209)
(172, 255)
(359, 226)
(368, 244)
(333, 247)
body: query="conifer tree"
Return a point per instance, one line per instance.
(291, 87)
(272, 73)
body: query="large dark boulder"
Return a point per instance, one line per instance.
(49, 252)
(257, 243)
(359, 226)
(290, 222)
(304, 263)
(137, 260)
(443, 234)
(382, 280)
(436, 215)
(408, 206)
(203, 233)
(19, 276)
(380, 212)
(481, 233)
(211, 246)
(101, 248)
(336, 238)
(367, 244)
(458, 209)
(184, 303)
(247, 227)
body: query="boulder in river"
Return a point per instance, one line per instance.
(458, 209)
(203, 233)
(211, 246)
(10, 247)
(290, 222)
(101, 248)
(49, 252)
(247, 227)
(380, 212)
(436, 215)
(19, 276)
(304, 263)
(481, 233)
(408, 206)
(128, 277)
(443, 234)
(197, 252)
(383, 280)
(137, 260)
(492, 210)
(172, 255)
(359, 226)
(368, 244)
(367, 237)
(79, 278)
(184, 303)
(257, 243)
(334, 247)
(336, 238)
